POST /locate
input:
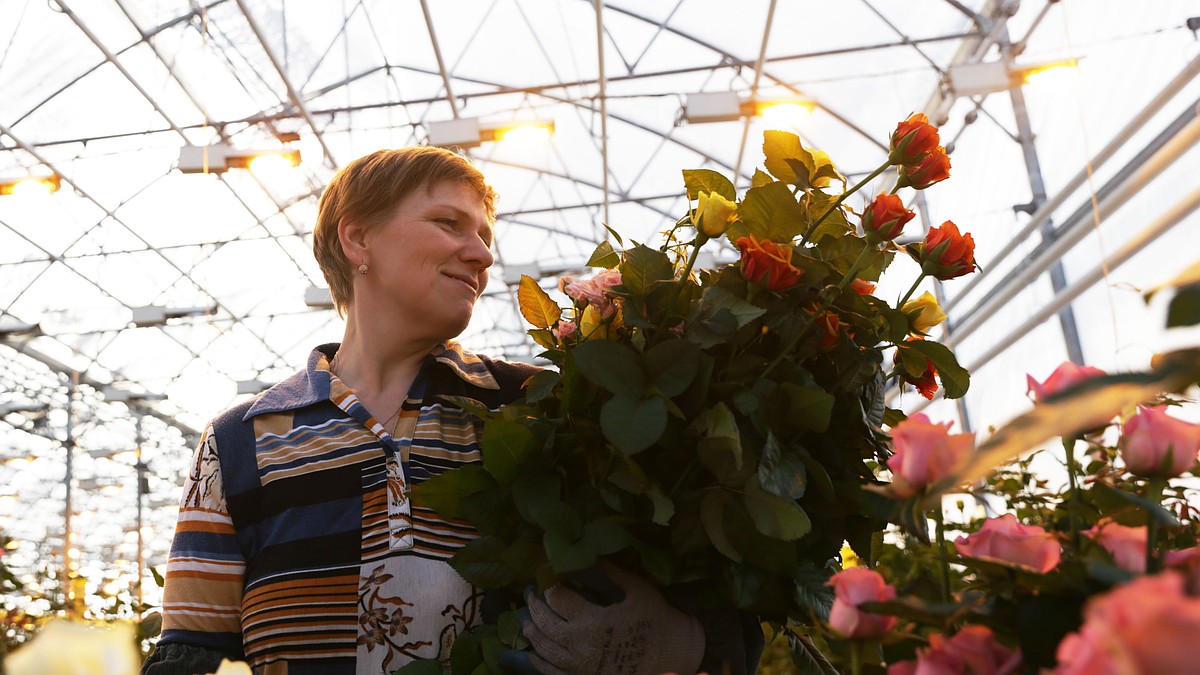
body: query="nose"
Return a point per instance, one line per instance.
(478, 252)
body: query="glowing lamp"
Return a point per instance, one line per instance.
(31, 185)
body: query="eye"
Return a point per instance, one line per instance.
(448, 222)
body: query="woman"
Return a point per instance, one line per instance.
(297, 548)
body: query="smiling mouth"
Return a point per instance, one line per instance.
(465, 280)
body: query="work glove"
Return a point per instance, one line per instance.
(638, 633)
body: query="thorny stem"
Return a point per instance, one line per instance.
(1154, 494)
(1073, 485)
(939, 520)
(912, 289)
(812, 318)
(812, 228)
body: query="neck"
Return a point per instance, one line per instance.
(379, 367)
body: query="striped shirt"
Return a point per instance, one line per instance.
(297, 545)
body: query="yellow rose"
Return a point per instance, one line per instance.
(923, 313)
(714, 214)
(593, 325)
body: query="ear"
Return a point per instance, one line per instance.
(353, 238)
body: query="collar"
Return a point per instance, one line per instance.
(312, 385)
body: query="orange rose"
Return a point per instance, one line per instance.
(946, 253)
(768, 264)
(862, 287)
(885, 217)
(927, 380)
(832, 328)
(933, 168)
(913, 139)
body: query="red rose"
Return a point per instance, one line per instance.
(913, 139)
(933, 168)
(768, 264)
(885, 218)
(946, 253)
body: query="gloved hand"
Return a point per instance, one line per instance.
(639, 634)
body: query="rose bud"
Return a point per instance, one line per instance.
(713, 214)
(913, 139)
(923, 313)
(1156, 445)
(925, 453)
(768, 264)
(862, 287)
(1009, 541)
(832, 327)
(851, 588)
(885, 217)
(925, 380)
(934, 168)
(1126, 545)
(1066, 375)
(946, 253)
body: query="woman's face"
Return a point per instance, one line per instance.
(428, 262)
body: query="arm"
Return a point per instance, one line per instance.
(202, 599)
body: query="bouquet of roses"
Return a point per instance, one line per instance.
(713, 430)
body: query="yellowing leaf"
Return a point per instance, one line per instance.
(536, 306)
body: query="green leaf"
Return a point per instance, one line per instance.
(672, 366)
(568, 556)
(780, 472)
(543, 337)
(540, 386)
(835, 224)
(716, 298)
(812, 591)
(421, 667)
(808, 407)
(954, 378)
(771, 212)
(656, 561)
(158, 578)
(664, 508)
(775, 516)
(1184, 309)
(444, 492)
(1153, 509)
(632, 425)
(615, 235)
(760, 178)
(508, 629)
(480, 563)
(489, 511)
(611, 365)
(712, 517)
(476, 408)
(817, 475)
(531, 490)
(604, 256)
(808, 659)
(707, 180)
(721, 436)
(465, 654)
(605, 537)
(505, 443)
(644, 267)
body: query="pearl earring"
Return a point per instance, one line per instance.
(362, 269)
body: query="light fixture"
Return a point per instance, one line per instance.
(470, 132)
(977, 79)
(318, 297)
(31, 185)
(727, 106)
(219, 158)
(157, 315)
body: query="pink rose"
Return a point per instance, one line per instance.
(1127, 545)
(1064, 376)
(851, 588)
(593, 292)
(1158, 445)
(974, 650)
(924, 454)
(1149, 625)
(1187, 562)
(565, 330)
(1009, 541)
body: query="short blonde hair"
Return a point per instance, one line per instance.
(368, 190)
